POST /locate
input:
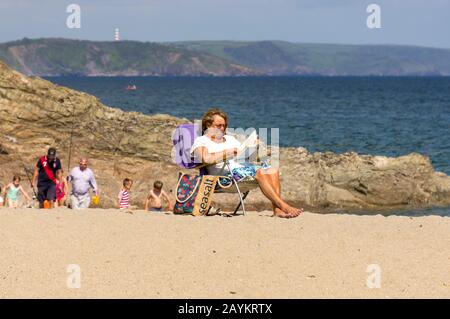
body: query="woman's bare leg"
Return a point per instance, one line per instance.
(275, 180)
(12, 204)
(265, 183)
(275, 183)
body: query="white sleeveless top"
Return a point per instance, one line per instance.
(213, 147)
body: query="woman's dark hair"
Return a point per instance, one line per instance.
(208, 118)
(16, 178)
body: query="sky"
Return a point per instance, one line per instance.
(411, 22)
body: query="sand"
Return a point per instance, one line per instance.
(159, 255)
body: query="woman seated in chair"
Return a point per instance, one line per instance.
(215, 146)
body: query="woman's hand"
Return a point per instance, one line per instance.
(232, 152)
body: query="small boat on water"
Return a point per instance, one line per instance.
(131, 87)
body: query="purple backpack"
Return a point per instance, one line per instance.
(183, 139)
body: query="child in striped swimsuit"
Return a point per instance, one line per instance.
(124, 195)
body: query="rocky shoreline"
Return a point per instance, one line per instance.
(36, 114)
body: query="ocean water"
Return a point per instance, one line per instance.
(389, 116)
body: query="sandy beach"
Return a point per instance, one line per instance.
(159, 255)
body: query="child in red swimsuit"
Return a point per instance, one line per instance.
(60, 189)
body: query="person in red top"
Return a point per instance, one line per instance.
(45, 174)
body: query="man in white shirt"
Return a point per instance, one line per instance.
(82, 180)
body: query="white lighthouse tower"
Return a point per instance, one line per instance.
(117, 35)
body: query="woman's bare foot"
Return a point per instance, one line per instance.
(280, 213)
(294, 212)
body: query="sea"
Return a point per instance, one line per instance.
(390, 116)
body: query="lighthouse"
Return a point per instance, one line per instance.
(117, 35)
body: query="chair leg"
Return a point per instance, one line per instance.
(241, 202)
(241, 198)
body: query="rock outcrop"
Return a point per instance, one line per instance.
(36, 114)
(352, 181)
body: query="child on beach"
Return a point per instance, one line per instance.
(61, 189)
(11, 193)
(155, 196)
(124, 195)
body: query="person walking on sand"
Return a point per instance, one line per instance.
(82, 180)
(11, 193)
(155, 196)
(45, 174)
(124, 198)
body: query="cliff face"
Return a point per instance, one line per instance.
(34, 110)
(36, 114)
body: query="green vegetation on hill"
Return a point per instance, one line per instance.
(285, 58)
(77, 57)
(219, 58)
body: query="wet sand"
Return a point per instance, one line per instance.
(159, 255)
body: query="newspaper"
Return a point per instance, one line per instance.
(248, 147)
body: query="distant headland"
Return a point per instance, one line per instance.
(60, 57)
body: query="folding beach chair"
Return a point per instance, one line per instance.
(183, 139)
